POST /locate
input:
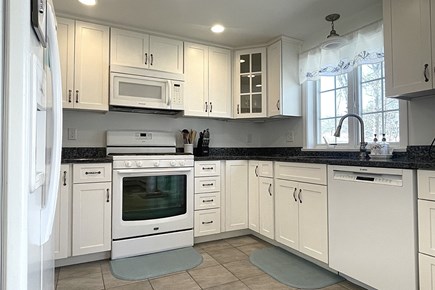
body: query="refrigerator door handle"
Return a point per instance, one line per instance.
(56, 81)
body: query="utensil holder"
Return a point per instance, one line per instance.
(188, 148)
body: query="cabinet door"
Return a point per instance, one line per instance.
(407, 41)
(287, 213)
(91, 73)
(196, 79)
(426, 227)
(313, 221)
(166, 54)
(427, 272)
(267, 225)
(91, 212)
(426, 184)
(61, 226)
(65, 37)
(250, 84)
(274, 89)
(219, 78)
(129, 48)
(253, 202)
(236, 195)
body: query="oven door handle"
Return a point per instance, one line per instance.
(156, 170)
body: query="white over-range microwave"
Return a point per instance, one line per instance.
(146, 91)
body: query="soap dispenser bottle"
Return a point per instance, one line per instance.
(375, 148)
(385, 147)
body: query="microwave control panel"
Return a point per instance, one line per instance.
(177, 95)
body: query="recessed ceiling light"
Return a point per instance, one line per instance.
(88, 2)
(217, 28)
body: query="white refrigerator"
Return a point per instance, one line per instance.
(31, 111)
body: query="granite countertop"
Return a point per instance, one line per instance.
(85, 155)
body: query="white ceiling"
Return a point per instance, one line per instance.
(247, 22)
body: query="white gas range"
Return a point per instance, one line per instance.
(152, 193)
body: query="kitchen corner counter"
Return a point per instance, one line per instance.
(85, 155)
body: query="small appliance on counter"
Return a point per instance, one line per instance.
(203, 143)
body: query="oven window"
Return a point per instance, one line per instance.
(152, 197)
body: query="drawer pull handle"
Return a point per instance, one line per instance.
(77, 96)
(64, 178)
(92, 172)
(151, 59)
(207, 184)
(108, 196)
(426, 79)
(270, 186)
(207, 168)
(299, 195)
(211, 107)
(256, 171)
(206, 107)
(146, 58)
(207, 223)
(294, 194)
(69, 96)
(207, 200)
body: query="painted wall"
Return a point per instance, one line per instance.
(421, 119)
(91, 129)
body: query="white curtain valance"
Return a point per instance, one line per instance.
(363, 46)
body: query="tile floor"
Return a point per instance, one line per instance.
(225, 266)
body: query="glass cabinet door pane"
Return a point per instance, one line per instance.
(245, 104)
(256, 83)
(244, 63)
(244, 84)
(256, 103)
(256, 62)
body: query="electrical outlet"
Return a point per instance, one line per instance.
(290, 136)
(72, 134)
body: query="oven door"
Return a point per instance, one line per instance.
(151, 201)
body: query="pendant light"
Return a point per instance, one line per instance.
(333, 40)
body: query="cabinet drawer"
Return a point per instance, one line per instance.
(207, 184)
(265, 169)
(207, 168)
(311, 173)
(207, 222)
(96, 172)
(426, 184)
(207, 200)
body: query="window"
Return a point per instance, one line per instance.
(361, 91)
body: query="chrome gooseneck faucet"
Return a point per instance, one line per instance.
(363, 144)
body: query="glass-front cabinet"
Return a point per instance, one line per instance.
(250, 83)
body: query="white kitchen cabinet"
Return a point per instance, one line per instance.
(427, 272)
(426, 227)
(207, 81)
(207, 218)
(261, 198)
(84, 55)
(250, 83)
(91, 208)
(236, 195)
(426, 184)
(408, 41)
(141, 50)
(301, 215)
(62, 218)
(283, 89)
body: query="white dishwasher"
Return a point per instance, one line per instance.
(373, 225)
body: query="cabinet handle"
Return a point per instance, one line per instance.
(207, 168)
(92, 172)
(256, 171)
(77, 96)
(211, 107)
(69, 96)
(270, 193)
(107, 196)
(64, 178)
(206, 223)
(146, 58)
(206, 107)
(207, 200)
(151, 59)
(277, 104)
(426, 79)
(238, 109)
(299, 195)
(207, 184)
(294, 194)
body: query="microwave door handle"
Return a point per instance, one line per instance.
(169, 94)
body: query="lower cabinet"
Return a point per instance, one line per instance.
(266, 198)
(207, 222)
(62, 220)
(426, 272)
(236, 195)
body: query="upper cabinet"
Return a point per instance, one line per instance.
(84, 56)
(250, 83)
(207, 81)
(141, 50)
(283, 89)
(408, 40)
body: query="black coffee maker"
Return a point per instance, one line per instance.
(203, 142)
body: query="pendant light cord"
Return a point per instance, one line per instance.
(430, 149)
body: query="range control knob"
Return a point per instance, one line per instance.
(128, 163)
(156, 163)
(182, 162)
(139, 163)
(173, 163)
